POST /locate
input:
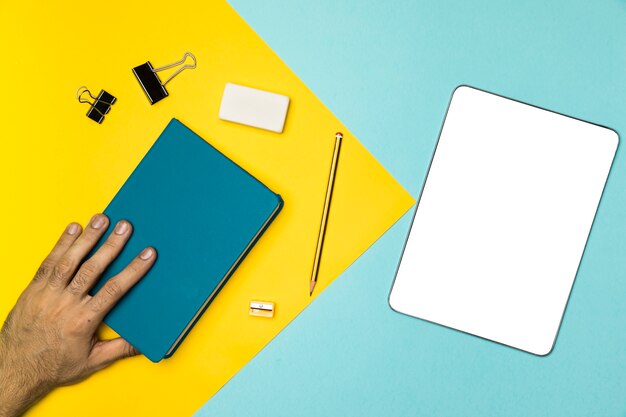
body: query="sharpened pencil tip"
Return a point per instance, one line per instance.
(312, 285)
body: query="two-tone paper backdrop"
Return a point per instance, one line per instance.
(387, 69)
(57, 165)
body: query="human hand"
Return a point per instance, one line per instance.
(49, 338)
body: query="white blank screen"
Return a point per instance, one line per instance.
(503, 220)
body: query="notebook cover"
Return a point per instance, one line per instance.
(202, 213)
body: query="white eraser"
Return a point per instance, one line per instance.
(253, 107)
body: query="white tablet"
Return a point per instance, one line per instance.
(503, 219)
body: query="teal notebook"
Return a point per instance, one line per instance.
(202, 213)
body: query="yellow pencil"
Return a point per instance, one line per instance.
(329, 193)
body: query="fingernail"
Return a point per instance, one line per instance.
(121, 228)
(72, 229)
(146, 254)
(97, 222)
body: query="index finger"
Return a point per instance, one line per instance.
(69, 236)
(117, 286)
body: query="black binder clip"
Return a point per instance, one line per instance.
(150, 81)
(100, 105)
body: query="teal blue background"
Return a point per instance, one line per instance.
(387, 70)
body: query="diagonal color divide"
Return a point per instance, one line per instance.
(75, 166)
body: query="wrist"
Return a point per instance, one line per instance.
(19, 387)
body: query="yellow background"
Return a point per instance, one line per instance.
(58, 166)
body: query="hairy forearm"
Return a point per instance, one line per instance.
(18, 389)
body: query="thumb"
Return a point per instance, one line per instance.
(105, 352)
